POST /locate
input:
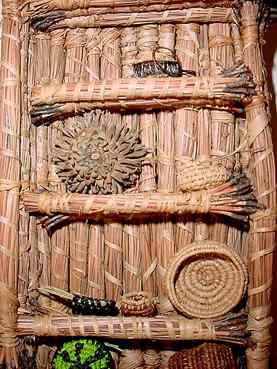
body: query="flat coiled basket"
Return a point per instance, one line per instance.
(206, 279)
(206, 356)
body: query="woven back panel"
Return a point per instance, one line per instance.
(133, 256)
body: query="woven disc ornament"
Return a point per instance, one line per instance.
(99, 155)
(197, 175)
(206, 279)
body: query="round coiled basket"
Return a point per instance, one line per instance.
(137, 304)
(206, 279)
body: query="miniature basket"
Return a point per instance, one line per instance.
(206, 356)
(201, 175)
(137, 304)
(206, 279)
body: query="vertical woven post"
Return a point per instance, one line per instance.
(39, 253)
(78, 231)
(147, 42)
(165, 228)
(131, 243)
(40, 168)
(239, 240)
(222, 123)
(9, 180)
(204, 126)
(262, 235)
(60, 239)
(165, 237)
(24, 218)
(96, 275)
(113, 231)
(40, 75)
(187, 50)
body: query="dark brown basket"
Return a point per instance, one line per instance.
(206, 356)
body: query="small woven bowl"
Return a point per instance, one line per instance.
(137, 304)
(206, 356)
(201, 175)
(206, 279)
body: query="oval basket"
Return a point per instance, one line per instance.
(206, 279)
(201, 175)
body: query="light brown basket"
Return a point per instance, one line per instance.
(206, 279)
(137, 304)
(206, 356)
(199, 175)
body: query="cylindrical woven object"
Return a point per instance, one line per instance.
(199, 175)
(46, 6)
(206, 279)
(137, 304)
(206, 356)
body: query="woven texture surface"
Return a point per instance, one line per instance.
(207, 356)
(206, 279)
(85, 60)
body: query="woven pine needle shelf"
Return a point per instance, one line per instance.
(136, 167)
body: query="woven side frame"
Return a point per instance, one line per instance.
(262, 238)
(10, 103)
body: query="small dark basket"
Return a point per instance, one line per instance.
(206, 356)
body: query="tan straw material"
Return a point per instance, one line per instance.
(126, 19)
(143, 93)
(206, 279)
(234, 199)
(48, 5)
(200, 175)
(208, 175)
(230, 328)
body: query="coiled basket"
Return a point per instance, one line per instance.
(206, 279)
(206, 356)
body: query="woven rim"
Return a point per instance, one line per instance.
(206, 279)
